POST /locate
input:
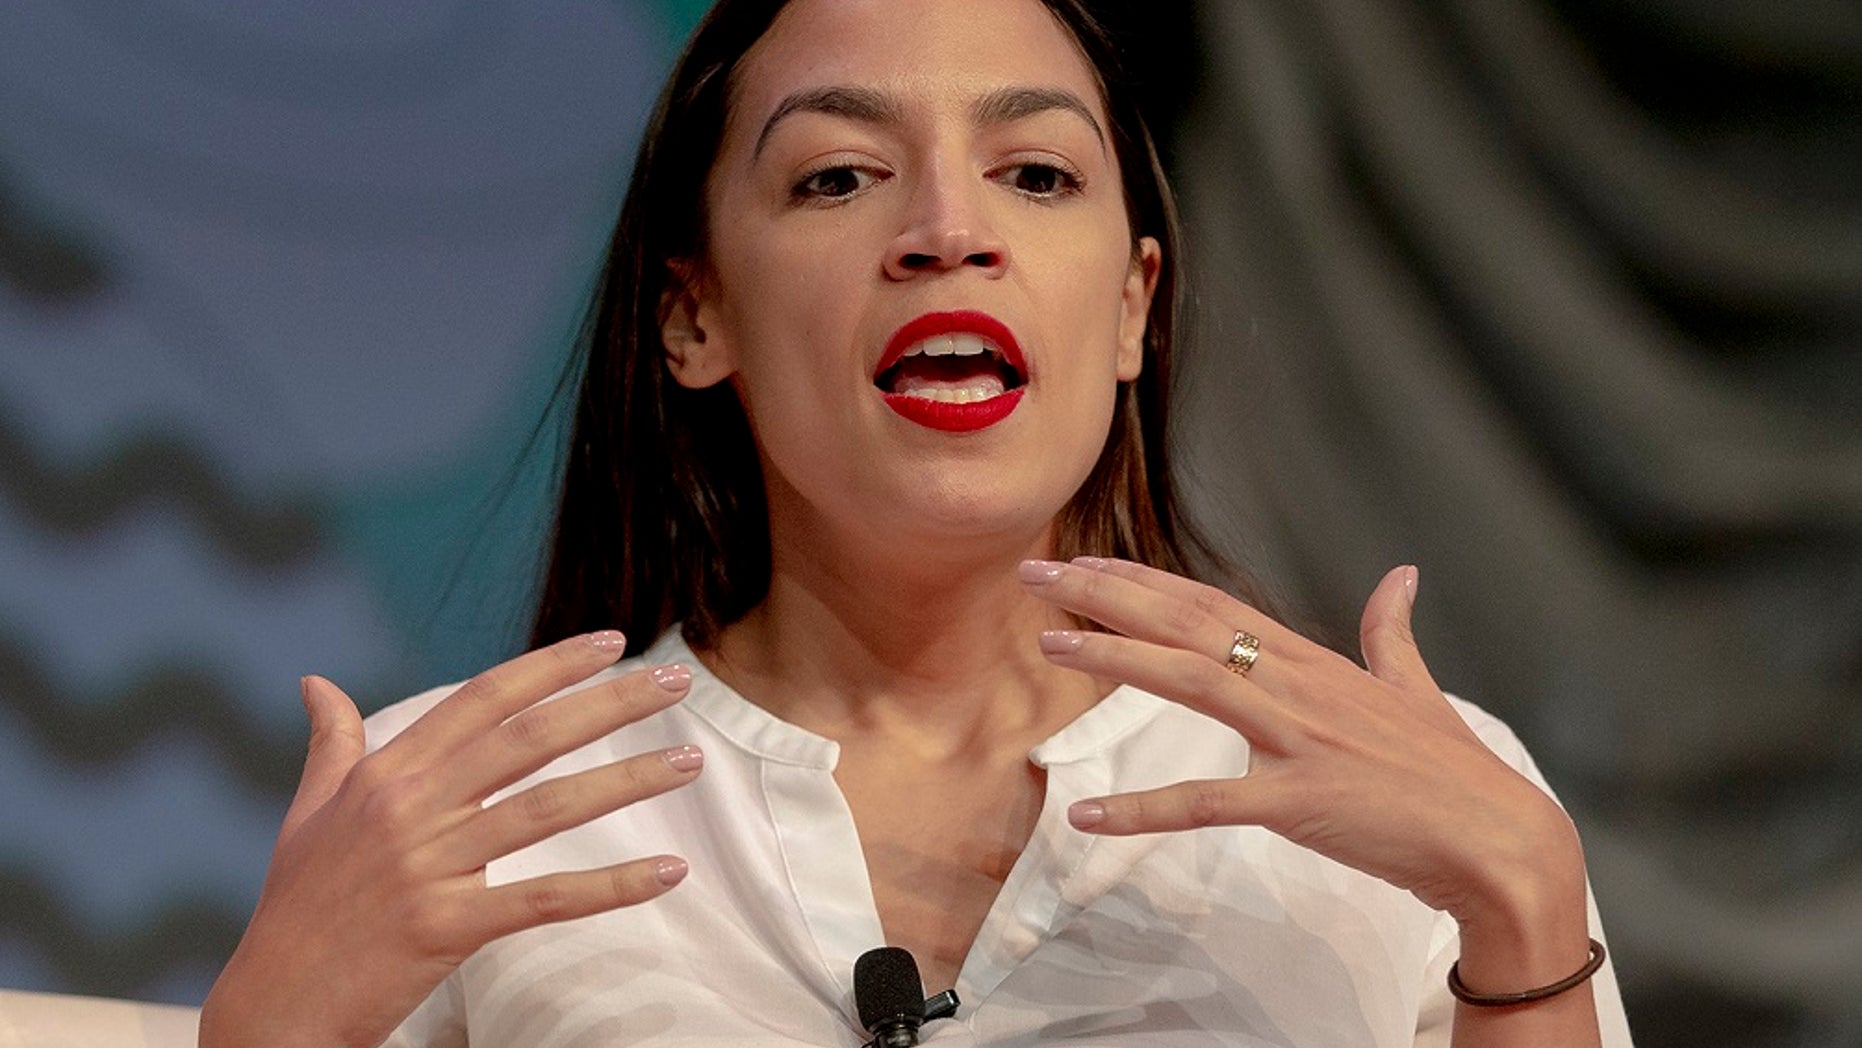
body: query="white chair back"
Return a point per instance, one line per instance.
(50, 1020)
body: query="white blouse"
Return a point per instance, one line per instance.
(1229, 936)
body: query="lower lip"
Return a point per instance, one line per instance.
(955, 418)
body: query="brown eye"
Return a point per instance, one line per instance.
(834, 182)
(1042, 180)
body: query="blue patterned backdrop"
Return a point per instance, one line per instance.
(283, 289)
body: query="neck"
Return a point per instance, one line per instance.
(903, 641)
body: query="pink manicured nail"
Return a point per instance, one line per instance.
(1090, 563)
(671, 871)
(673, 678)
(1036, 572)
(1411, 577)
(1061, 642)
(684, 758)
(1085, 815)
(607, 640)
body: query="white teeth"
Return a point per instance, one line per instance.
(957, 344)
(949, 390)
(952, 396)
(982, 388)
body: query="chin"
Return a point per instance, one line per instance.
(987, 510)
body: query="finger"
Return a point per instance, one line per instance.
(336, 744)
(565, 896)
(493, 696)
(1215, 601)
(555, 805)
(1181, 676)
(531, 739)
(1183, 806)
(1389, 644)
(1205, 624)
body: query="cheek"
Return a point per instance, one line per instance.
(795, 377)
(1088, 293)
(783, 330)
(1088, 315)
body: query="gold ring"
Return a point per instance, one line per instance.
(1241, 655)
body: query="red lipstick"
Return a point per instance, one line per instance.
(942, 415)
(955, 418)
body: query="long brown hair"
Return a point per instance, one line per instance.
(662, 517)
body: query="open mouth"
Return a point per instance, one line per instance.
(952, 371)
(958, 368)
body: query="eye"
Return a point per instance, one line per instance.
(1042, 180)
(834, 183)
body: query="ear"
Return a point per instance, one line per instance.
(695, 354)
(1135, 306)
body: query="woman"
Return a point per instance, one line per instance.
(879, 351)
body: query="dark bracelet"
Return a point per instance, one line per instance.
(1501, 1000)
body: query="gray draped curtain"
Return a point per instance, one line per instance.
(1563, 304)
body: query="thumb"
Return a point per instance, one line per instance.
(336, 744)
(1384, 632)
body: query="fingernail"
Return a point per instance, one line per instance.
(684, 758)
(673, 678)
(1410, 579)
(1061, 642)
(1089, 563)
(1084, 815)
(671, 871)
(607, 640)
(1036, 572)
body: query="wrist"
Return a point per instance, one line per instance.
(1527, 924)
(242, 1010)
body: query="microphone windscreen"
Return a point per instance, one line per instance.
(886, 987)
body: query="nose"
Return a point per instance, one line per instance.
(946, 228)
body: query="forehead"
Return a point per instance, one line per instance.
(931, 53)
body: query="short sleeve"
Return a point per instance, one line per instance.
(1435, 1018)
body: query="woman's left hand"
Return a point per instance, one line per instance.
(1373, 769)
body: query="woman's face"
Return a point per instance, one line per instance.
(920, 277)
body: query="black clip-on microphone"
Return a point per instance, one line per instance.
(891, 997)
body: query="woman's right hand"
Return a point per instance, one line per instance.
(377, 891)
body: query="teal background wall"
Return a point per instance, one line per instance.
(284, 290)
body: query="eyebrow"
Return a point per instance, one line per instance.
(855, 103)
(1015, 103)
(875, 107)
